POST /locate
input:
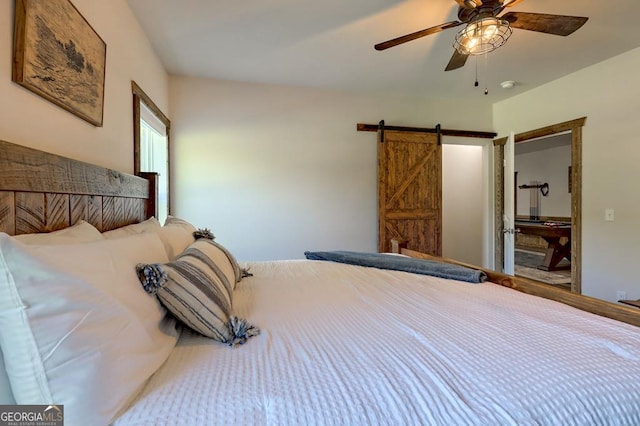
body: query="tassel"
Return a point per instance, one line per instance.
(240, 331)
(151, 276)
(204, 233)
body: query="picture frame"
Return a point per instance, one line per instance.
(60, 57)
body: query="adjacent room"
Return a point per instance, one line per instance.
(543, 209)
(278, 212)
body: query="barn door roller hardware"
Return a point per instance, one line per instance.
(382, 127)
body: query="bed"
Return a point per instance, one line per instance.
(338, 343)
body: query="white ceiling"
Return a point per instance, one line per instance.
(329, 44)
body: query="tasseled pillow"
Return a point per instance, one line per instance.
(197, 288)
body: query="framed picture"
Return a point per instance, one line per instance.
(58, 55)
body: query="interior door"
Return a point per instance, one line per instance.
(509, 206)
(410, 190)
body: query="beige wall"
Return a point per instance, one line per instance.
(278, 170)
(275, 171)
(607, 94)
(30, 120)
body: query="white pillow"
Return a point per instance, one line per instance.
(177, 235)
(149, 225)
(75, 326)
(6, 396)
(81, 232)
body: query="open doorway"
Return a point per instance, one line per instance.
(574, 129)
(542, 207)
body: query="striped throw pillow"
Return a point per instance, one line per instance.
(197, 287)
(240, 273)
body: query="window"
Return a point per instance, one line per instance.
(151, 146)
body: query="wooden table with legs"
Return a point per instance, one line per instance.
(556, 251)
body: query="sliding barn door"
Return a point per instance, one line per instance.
(410, 191)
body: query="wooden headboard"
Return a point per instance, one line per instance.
(42, 192)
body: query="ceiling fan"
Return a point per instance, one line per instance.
(485, 31)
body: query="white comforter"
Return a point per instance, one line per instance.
(349, 345)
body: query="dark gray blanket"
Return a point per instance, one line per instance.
(401, 263)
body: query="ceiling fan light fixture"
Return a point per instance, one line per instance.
(482, 36)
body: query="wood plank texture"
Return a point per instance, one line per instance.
(57, 214)
(42, 192)
(410, 190)
(78, 207)
(575, 127)
(554, 129)
(94, 211)
(30, 170)
(152, 201)
(7, 212)
(576, 208)
(109, 213)
(30, 212)
(498, 200)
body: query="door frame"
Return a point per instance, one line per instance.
(575, 128)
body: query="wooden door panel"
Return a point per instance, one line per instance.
(410, 191)
(422, 232)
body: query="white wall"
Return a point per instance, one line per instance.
(464, 202)
(550, 166)
(607, 94)
(27, 119)
(275, 171)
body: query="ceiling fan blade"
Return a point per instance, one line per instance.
(551, 24)
(509, 3)
(457, 61)
(417, 34)
(469, 4)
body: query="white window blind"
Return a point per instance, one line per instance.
(154, 152)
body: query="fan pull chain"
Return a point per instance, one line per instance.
(476, 84)
(486, 73)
